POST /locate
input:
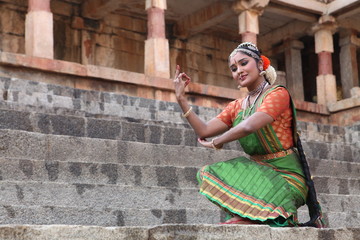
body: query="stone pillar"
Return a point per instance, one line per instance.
(294, 76)
(39, 39)
(157, 57)
(324, 47)
(248, 16)
(349, 64)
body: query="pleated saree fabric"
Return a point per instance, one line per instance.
(268, 186)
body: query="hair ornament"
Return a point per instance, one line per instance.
(270, 74)
(266, 62)
(248, 45)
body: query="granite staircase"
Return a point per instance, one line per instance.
(77, 162)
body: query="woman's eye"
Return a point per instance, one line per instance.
(233, 69)
(244, 63)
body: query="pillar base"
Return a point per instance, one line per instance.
(157, 57)
(326, 89)
(39, 40)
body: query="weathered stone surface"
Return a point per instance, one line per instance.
(118, 149)
(176, 232)
(59, 232)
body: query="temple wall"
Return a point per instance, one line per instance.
(205, 58)
(12, 32)
(117, 42)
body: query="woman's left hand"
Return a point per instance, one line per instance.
(181, 80)
(205, 143)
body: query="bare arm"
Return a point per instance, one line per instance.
(246, 127)
(203, 129)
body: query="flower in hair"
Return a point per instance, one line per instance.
(270, 74)
(266, 62)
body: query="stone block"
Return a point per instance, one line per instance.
(60, 101)
(16, 25)
(64, 148)
(157, 57)
(65, 125)
(15, 120)
(126, 22)
(324, 41)
(103, 40)
(127, 45)
(65, 232)
(105, 129)
(153, 134)
(212, 232)
(355, 92)
(155, 4)
(190, 138)
(62, 8)
(104, 56)
(39, 23)
(13, 43)
(133, 132)
(173, 136)
(326, 89)
(248, 22)
(139, 37)
(19, 144)
(90, 195)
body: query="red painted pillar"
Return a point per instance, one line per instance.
(156, 22)
(324, 63)
(324, 47)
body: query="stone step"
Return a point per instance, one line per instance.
(146, 132)
(20, 214)
(33, 193)
(134, 175)
(36, 146)
(49, 214)
(20, 94)
(174, 232)
(51, 98)
(127, 129)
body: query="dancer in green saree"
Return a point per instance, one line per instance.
(269, 186)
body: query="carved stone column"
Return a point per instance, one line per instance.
(248, 14)
(294, 76)
(324, 47)
(349, 64)
(39, 40)
(157, 62)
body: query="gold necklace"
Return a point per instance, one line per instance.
(247, 101)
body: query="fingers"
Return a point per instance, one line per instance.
(177, 70)
(204, 142)
(182, 76)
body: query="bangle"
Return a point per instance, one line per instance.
(187, 113)
(213, 145)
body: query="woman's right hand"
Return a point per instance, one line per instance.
(181, 80)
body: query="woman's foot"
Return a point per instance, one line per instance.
(239, 220)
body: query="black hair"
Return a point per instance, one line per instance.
(311, 200)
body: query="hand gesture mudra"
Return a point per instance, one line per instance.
(181, 80)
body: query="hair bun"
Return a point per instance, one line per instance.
(270, 74)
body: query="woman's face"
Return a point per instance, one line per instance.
(245, 70)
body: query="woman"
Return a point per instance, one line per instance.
(269, 186)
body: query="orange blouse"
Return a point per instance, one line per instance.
(277, 105)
